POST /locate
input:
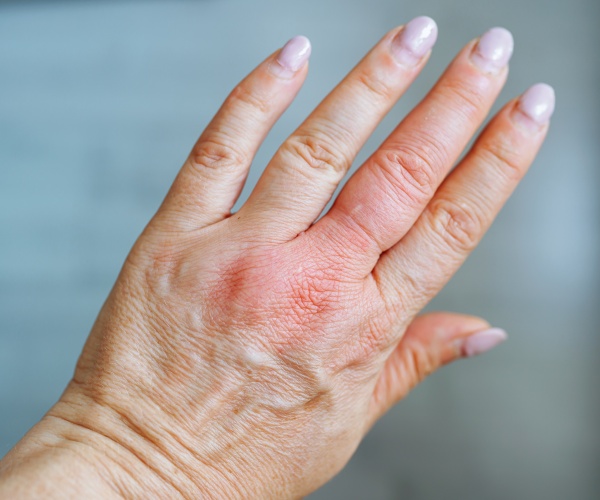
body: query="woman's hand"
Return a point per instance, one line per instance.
(247, 355)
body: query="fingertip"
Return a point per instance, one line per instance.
(535, 107)
(445, 333)
(482, 342)
(414, 41)
(493, 50)
(292, 57)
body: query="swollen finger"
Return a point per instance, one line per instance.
(384, 198)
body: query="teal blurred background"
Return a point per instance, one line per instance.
(100, 102)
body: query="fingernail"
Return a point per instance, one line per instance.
(483, 341)
(414, 41)
(536, 106)
(494, 50)
(292, 57)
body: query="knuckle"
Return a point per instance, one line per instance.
(457, 224)
(214, 155)
(249, 96)
(401, 302)
(318, 153)
(378, 337)
(161, 264)
(501, 156)
(419, 364)
(373, 344)
(374, 86)
(468, 98)
(409, 171)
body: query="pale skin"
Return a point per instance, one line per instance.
(246, 355)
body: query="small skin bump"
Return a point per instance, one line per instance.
(256, 359)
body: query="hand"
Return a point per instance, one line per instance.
(247, 354)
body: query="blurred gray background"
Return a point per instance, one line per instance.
(100, 101)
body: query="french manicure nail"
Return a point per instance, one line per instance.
(494, 50)
(483, 341)
(536, 106)
(292, 57)
(414, 41)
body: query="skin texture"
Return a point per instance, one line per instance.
(246, 355)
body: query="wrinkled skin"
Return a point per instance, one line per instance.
(247, 354)
(271, 352)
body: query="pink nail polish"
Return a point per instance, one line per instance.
(292, 57)
(494, 50)
(481, 342)
(536, 106)
(415, 41)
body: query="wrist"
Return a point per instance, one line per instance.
(46, 464)
(85, 451)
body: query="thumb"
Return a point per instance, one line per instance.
(431, 341)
